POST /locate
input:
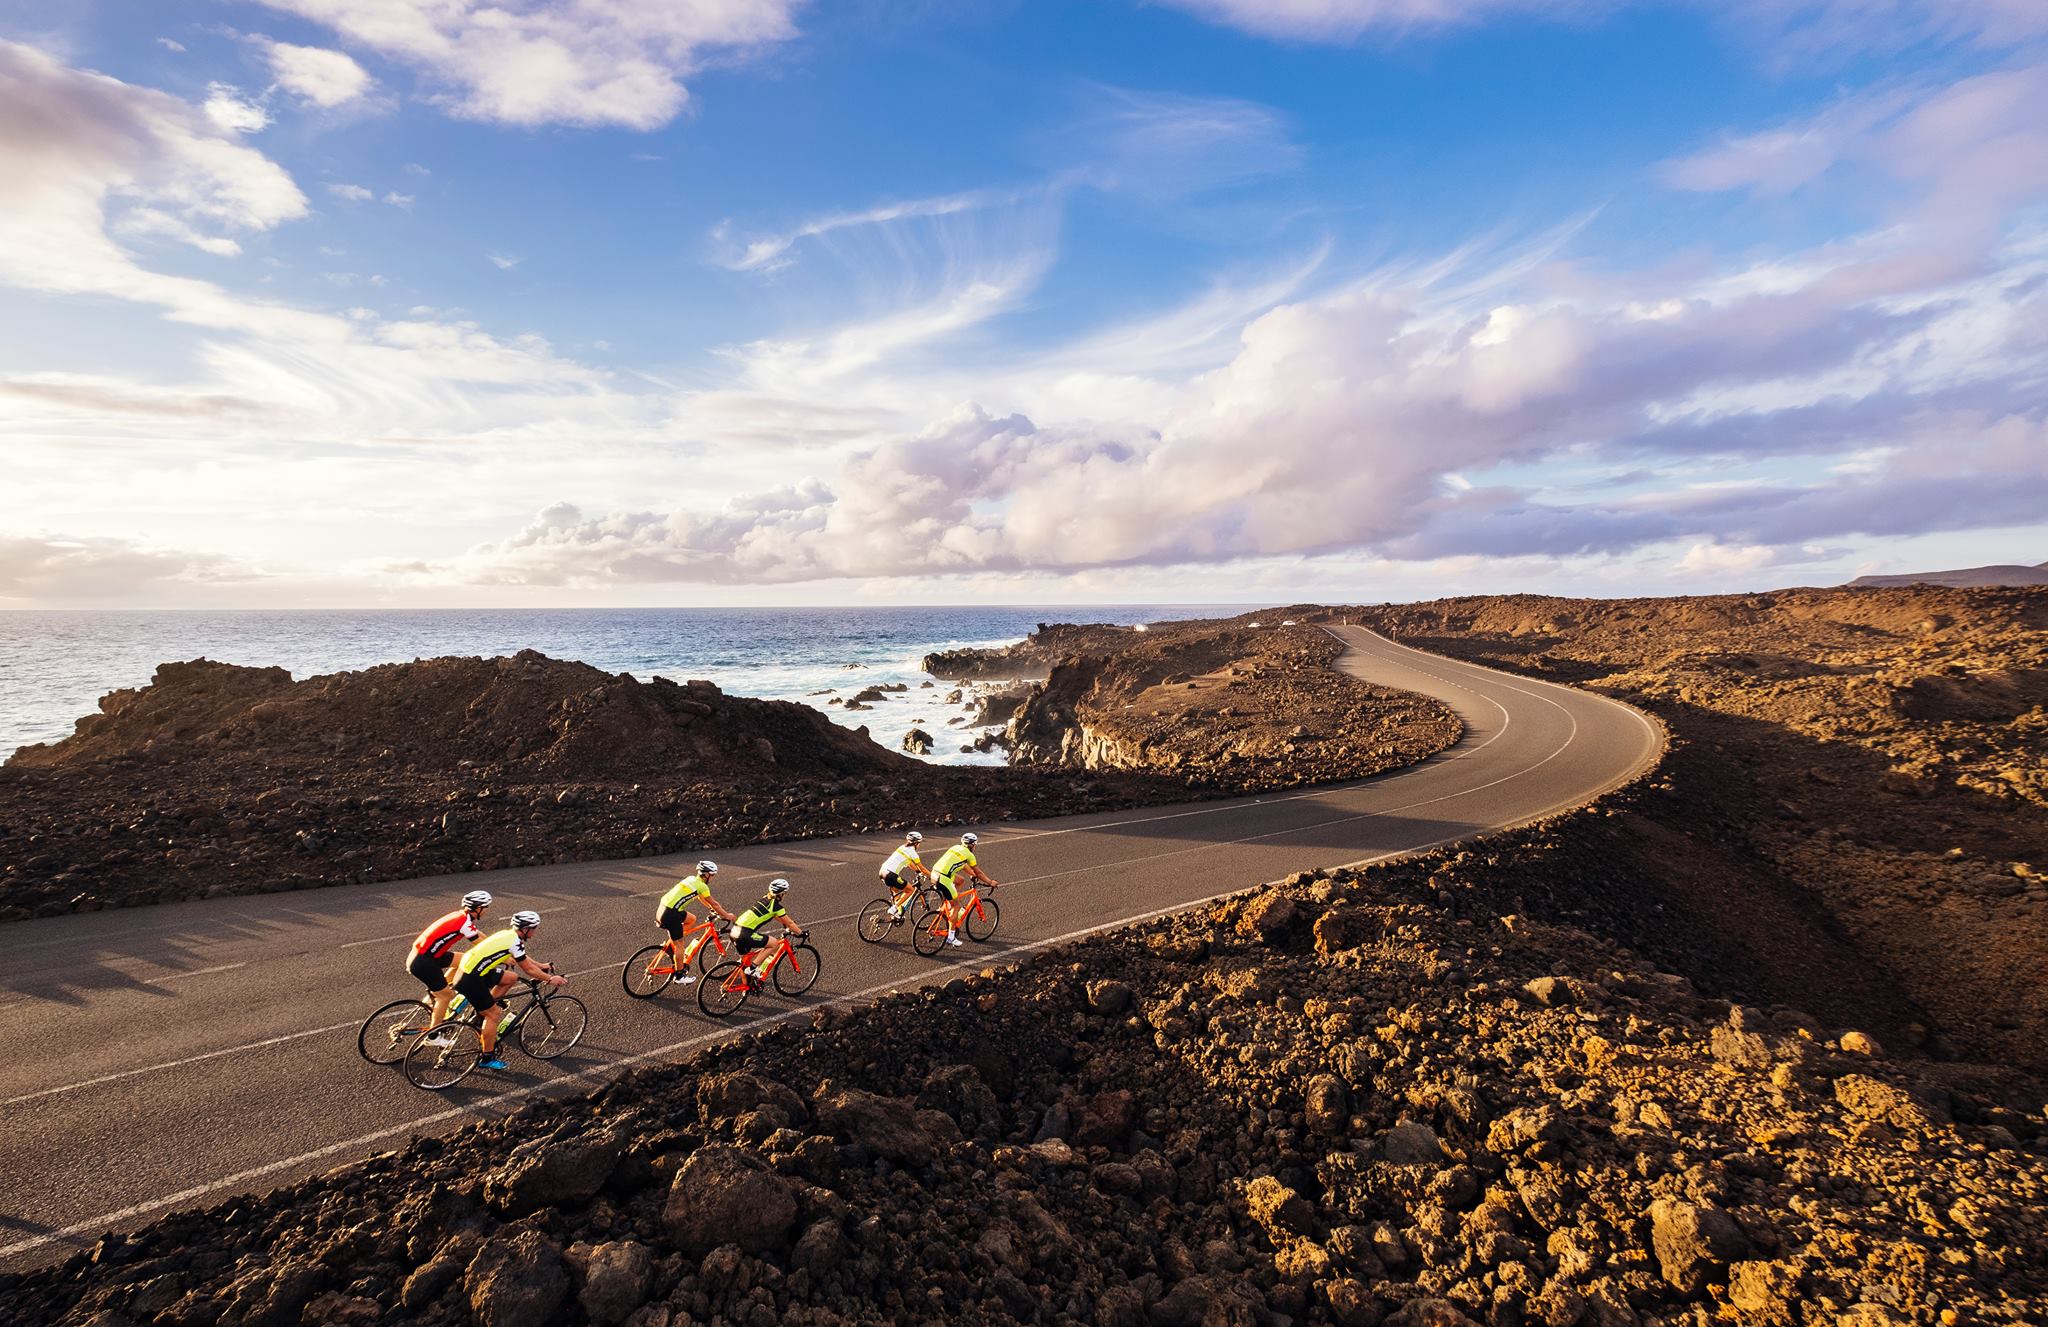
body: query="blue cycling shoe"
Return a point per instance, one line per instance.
(491, 1062)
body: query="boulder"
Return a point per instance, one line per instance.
(886, 1126)
(917, 742)
(1693, 1242)
(1410, 1143)
(1108, 998)
(549, 1173)
(1269, 918)
(723, 1195)
(1106, 1119)
(1328, 1104)
(729, 1096)
(517, 1280)
(615, 1281)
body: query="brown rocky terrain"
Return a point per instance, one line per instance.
(2002, 574)
(1852, 811)
(218, 779)
(1245, 704)
(1355, 1099)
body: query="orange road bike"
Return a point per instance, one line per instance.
(648, 973)
(979, 916)
(544, 1022)
(793, 968)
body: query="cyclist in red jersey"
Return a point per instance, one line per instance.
(432, 957)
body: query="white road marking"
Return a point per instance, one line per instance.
(196, 972)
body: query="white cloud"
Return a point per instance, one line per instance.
(353, 193)
(175, 47)
(770, 251)
(397, 199)
(232, 112)
(579, 62)
(504, 262)
(315, 75)
(55, 568)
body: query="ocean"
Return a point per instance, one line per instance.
(54, 666)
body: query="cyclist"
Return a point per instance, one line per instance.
(490, 968)
(956, 864)
(903, 859)
(671, 915)
(746, 928)
(432, 957)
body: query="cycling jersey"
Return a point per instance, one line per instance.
(767, 910)
(685, 890)
(439, 938)
(492, 953)
(901, 858)
(955, 857)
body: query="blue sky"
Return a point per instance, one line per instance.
(350, 302)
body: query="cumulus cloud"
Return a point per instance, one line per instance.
(351, 193)
(315, 75)
(231, 111)
(54, 568)
(578, 62)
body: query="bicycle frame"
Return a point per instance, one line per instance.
(778, 950)
(697, 934)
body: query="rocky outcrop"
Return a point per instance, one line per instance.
(1227, 705)
(1031, 657)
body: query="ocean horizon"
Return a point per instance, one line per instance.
(55, 664)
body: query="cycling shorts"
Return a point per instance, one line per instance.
(432, 972)
(946, 887)
(673, 920)
(746, 939)
(478, 989)
(893, 879)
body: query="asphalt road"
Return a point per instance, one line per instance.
(173, 1056)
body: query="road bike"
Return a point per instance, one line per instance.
(544, 1022)
(793, 968)
(978, 915)
(911, 903)
(650, 970)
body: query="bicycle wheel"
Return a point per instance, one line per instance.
(437, 1067)
(552, 1026)
(876, 923)
(983, 919)
(928, 899)
(648, 973)
(710, 954)
(389, 1032)
(798, 970)
(928, 933)
(718, 998)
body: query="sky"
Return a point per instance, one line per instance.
(351, 303)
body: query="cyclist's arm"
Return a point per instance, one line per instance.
(983, 876)
(537, 971)
(790, 924)
(718, 908)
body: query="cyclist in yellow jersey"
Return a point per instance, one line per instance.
(670, 914)
(901, 862)
(489, 970)
(956, 866)
(746, 928)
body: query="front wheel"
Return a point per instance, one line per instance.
(798, 970)
(983, 918)
(391, 1031)
(723, 990)
(552, 1026)
(648, 973)
(710, 953)
(446, 1055)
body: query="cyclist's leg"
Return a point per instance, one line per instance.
(675, 922)
(746, 940)
(481, 992)
(433, 974)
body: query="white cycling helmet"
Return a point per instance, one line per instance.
(707, 867)
(970, 839)
(477, 898)
(913, 837)
(525, 921)
(778, 886)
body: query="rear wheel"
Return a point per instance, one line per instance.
(928, 933)
(709, 954)
(983, 919)
(552, 1026)
(391, 1031)
(648, 973)
(798, 970)
(721, 991)
(876, 923)
(444, 1056)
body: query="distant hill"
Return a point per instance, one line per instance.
(1968, 576)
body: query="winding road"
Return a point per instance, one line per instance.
(170, 1057)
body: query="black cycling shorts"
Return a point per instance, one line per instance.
(946, 887)
(672, 920)
(478, 988)
(746, 939)
(893, 880)
(432, 972)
